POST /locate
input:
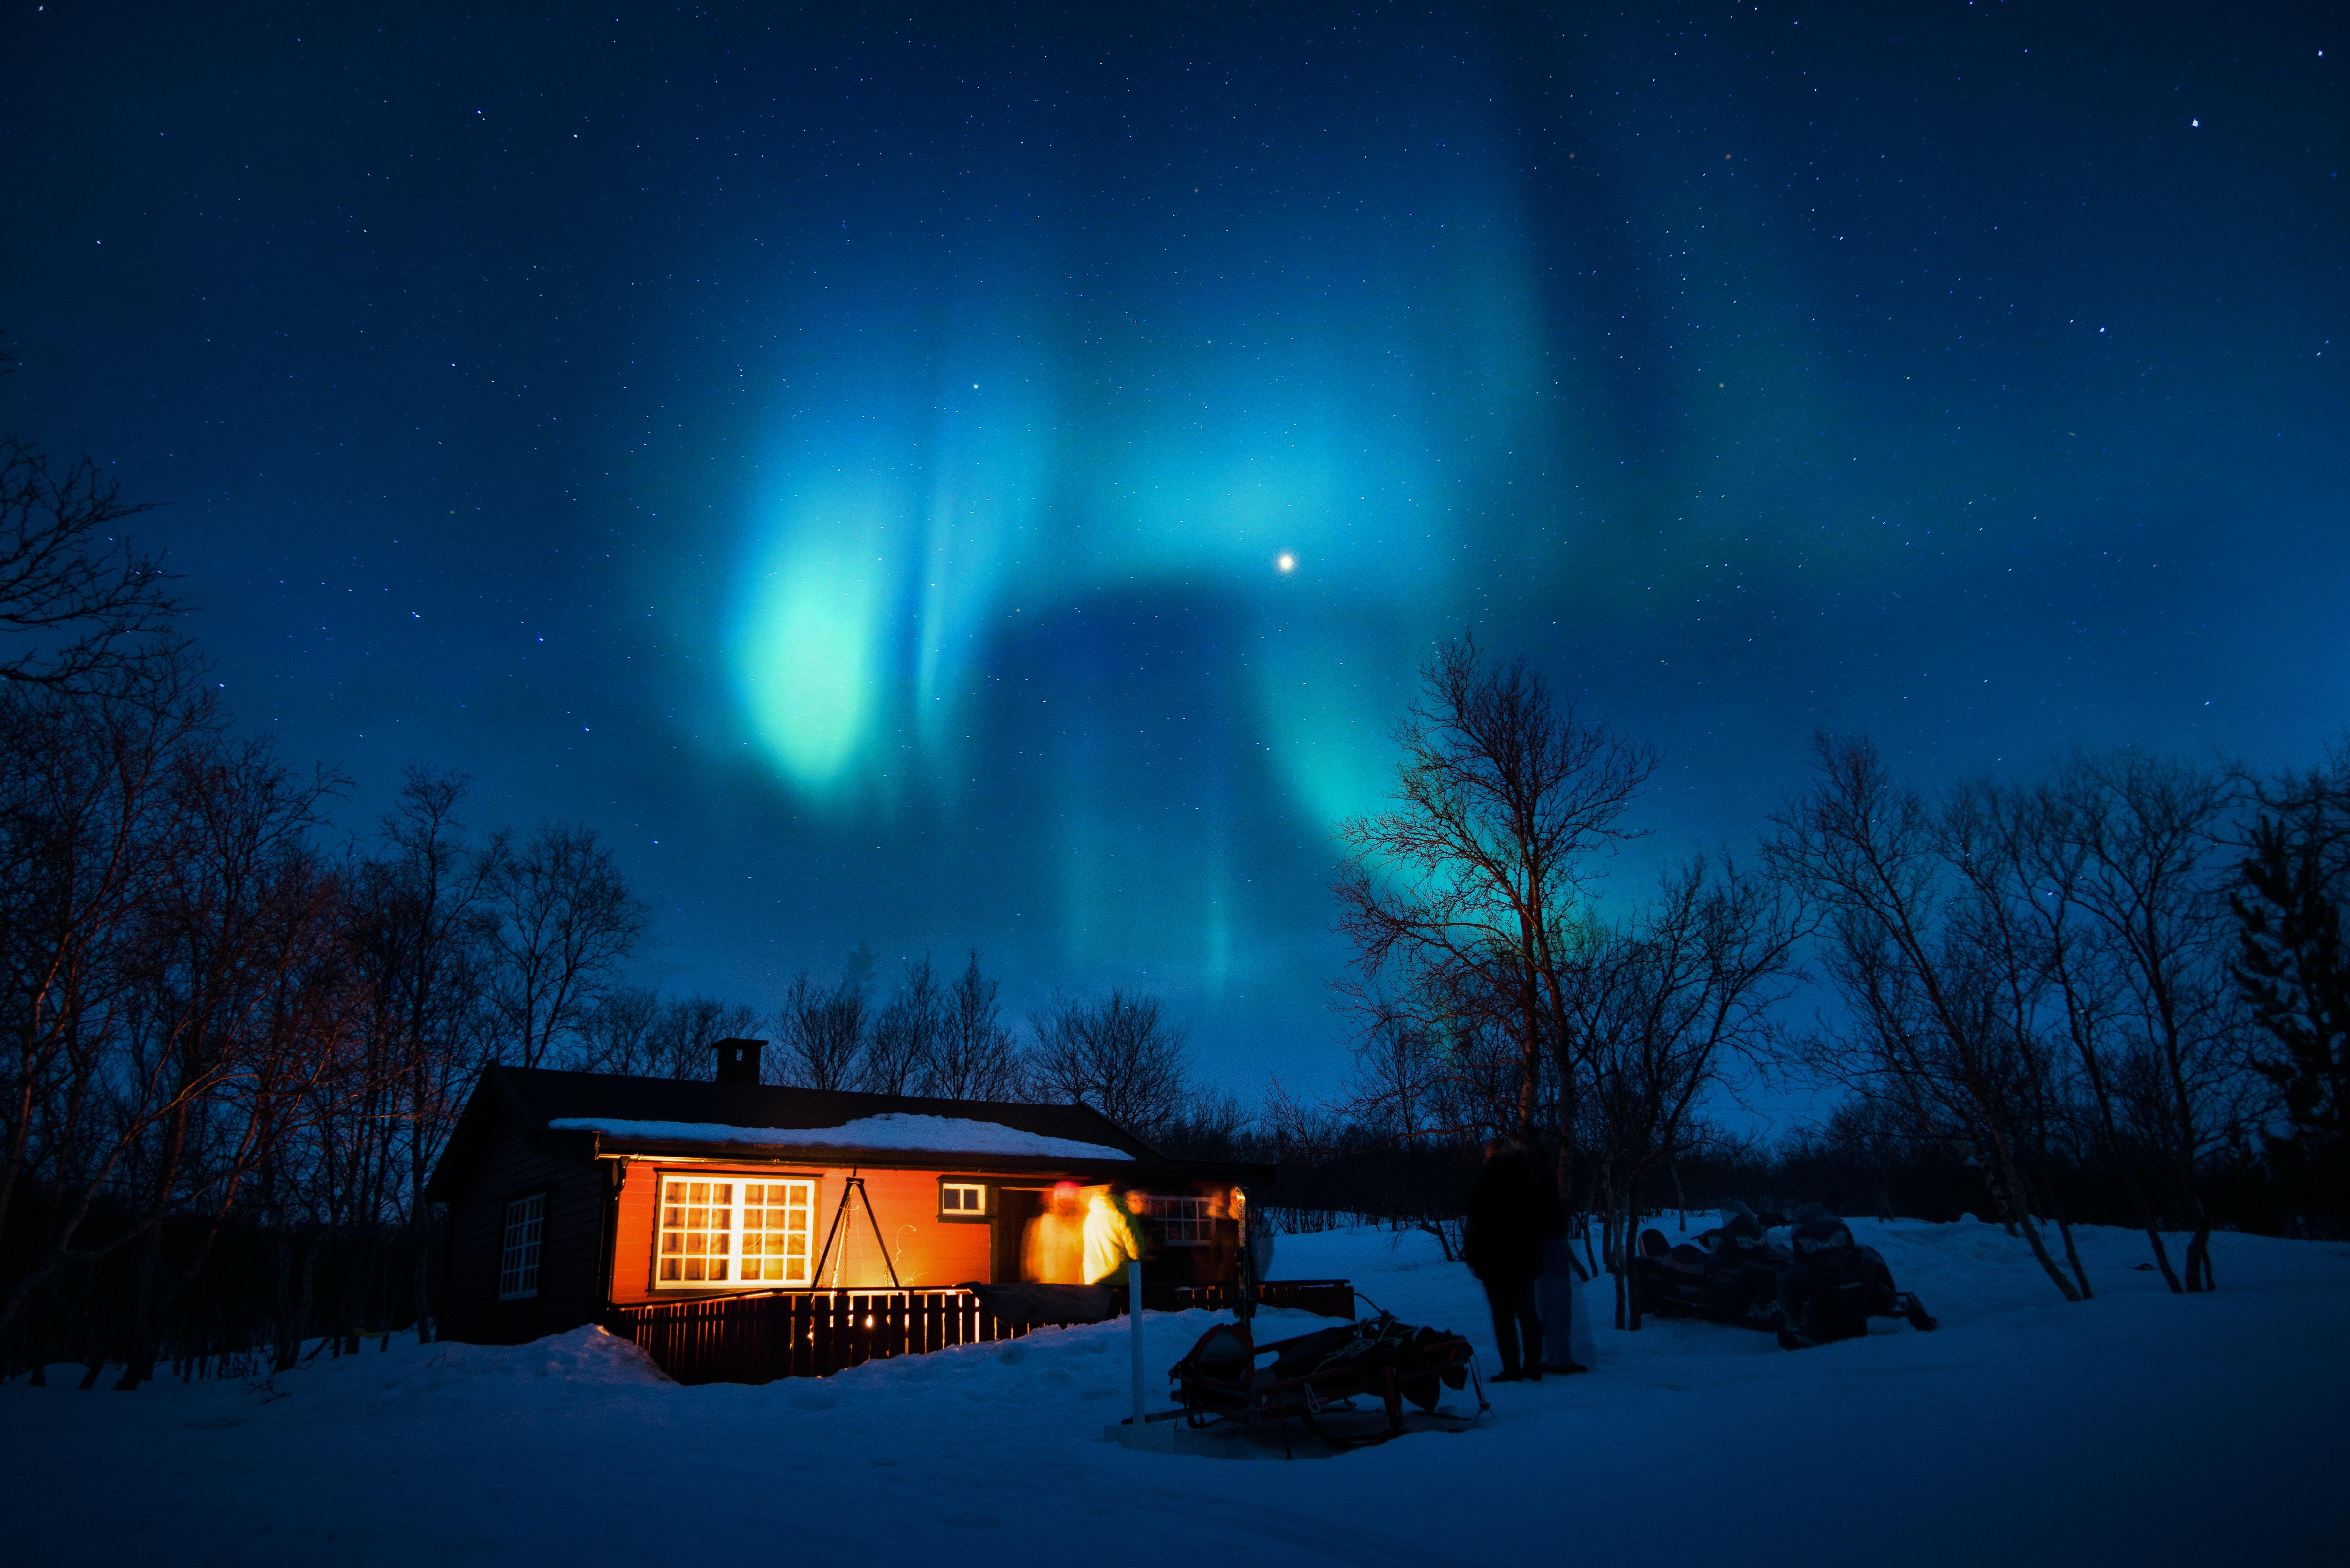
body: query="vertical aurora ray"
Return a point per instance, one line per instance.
(811, 644)
(1346, 417)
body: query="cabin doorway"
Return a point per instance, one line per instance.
(1016, 1209)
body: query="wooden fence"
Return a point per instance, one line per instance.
(757, 1338)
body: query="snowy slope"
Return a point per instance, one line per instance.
(2137, 1427)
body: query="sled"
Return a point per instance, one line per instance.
(1822, 1288)
(1317, 1377)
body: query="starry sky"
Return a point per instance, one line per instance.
(970, 475)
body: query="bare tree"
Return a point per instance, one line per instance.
(682, 1037)
(565, 921)
(1405, 1086)
(1661, 1005)
(905, 1035)
(88, 834)
(1215, 1124)
(243, 922)
(823, 1029)
(423, 921)
(1467, 883)
(1121, 1055)
(1929, 969)
(618, 1036)
(2121, 856)
(975, 1058)
(81, 609)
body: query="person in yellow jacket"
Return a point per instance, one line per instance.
(1113, 1234)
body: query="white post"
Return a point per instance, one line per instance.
(1134, 1313)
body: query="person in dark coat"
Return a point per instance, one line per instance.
(1511, 1208)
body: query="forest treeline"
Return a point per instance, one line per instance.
(2113, 991)
(240, 1047)
(236, 1042)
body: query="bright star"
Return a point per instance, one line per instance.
(1284, 562)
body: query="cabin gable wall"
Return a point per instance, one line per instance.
(570, 1246)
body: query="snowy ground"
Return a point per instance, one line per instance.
(2138, 1428)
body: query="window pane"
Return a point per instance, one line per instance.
(518, 1247)
(769, 1234)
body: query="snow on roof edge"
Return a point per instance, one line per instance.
(892, 1130)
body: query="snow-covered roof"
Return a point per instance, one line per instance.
(891, 1130)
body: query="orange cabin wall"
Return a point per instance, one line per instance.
(928, 1252)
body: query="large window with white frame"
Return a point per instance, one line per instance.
(518, 1247)
(726, 1232)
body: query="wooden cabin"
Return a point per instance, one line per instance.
(578, 1197)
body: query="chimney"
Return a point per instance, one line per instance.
(738, 1061)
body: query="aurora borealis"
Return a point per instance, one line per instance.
(849, 458)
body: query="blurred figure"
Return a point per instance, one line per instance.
(1223, 1233)
(1513, 1207)
(1052, 1252)
(1112, 1235)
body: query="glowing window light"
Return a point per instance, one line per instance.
(734, 1234)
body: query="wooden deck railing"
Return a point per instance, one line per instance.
(757, 1338)
(801, 1334)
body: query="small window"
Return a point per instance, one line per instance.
(962, 1200)
(719, 1234)
(518, 1249)
(1181, 1221)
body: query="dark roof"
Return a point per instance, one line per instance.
(532, 1099)
(546, 1096)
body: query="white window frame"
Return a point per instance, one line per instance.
(522, 1243)
(717, 1228)
(1183, 1220)
(978, 1210)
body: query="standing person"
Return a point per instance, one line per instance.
(1511, 1208)
(1109, 1235)
(1052, 1250)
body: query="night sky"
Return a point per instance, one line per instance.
(985, 476)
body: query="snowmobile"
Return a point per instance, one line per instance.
(1317, 1375)
(1821, 1286)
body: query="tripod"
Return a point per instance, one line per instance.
(855, 1184)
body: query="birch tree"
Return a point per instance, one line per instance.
(1930, 990)
(1469, 881)
(561, 922)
